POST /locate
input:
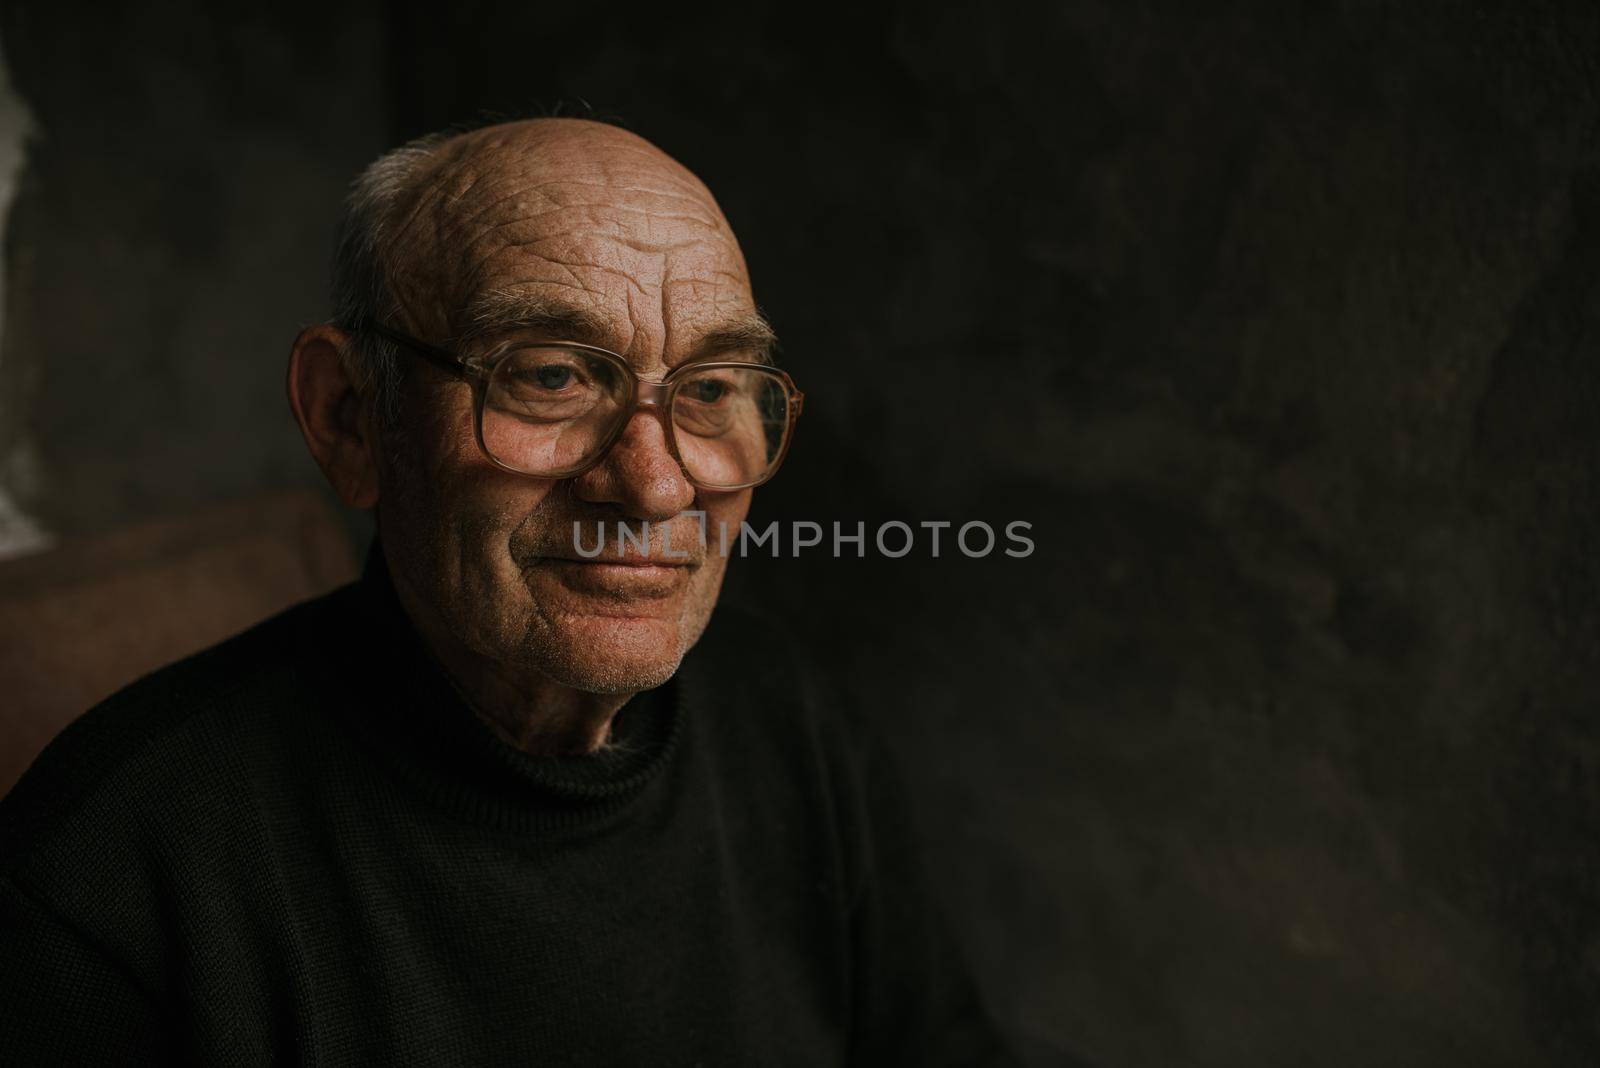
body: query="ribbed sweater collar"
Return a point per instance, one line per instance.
(417, 721)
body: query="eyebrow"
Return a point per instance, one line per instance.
(497, 312)
(749, 332)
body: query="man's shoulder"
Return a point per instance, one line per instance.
(179, 724)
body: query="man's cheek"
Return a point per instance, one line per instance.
(492, 501)
(724, 513)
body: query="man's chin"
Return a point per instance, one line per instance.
(611, 653)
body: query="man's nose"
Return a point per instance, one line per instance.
(639, 474)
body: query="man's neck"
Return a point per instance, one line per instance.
(536, 715)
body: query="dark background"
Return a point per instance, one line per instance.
(1277, 322)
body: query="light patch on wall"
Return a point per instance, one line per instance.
(19, 532)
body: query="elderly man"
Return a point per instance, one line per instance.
(501, 801)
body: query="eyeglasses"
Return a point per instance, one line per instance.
(553, 409)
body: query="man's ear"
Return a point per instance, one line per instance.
(332, 415)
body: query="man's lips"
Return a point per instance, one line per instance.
(618, 561)
(624, 579)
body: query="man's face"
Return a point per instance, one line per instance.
(539, 222)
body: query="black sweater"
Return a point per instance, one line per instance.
(301, 846)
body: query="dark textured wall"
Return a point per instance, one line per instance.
(1278, 325)
(170, 235)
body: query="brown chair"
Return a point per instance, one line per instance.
(79, 621)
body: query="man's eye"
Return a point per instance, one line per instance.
(553, 376)
(706, 390)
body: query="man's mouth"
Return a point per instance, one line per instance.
(626, 578)
(631, 560)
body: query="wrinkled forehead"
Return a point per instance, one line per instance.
(592, 218)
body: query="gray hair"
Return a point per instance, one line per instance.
(361, 290)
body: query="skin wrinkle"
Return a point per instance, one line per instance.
(558, 205)
(417, 203)
(666, 316)
(590, 228)
(674, 205)
(562, 212)
(689, 197)
(639, 327)
(546, 187)
(468, 221)
(576, 280)
(460, 194)
(516, 198)
(591, 221)
(582, 236)
(502, 312)
(574, 268)
(487, 261)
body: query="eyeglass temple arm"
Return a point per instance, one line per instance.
(436, 356)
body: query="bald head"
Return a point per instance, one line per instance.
(531, 222)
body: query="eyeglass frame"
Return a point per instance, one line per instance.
(657, 396)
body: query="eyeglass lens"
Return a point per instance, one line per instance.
(549, 411)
